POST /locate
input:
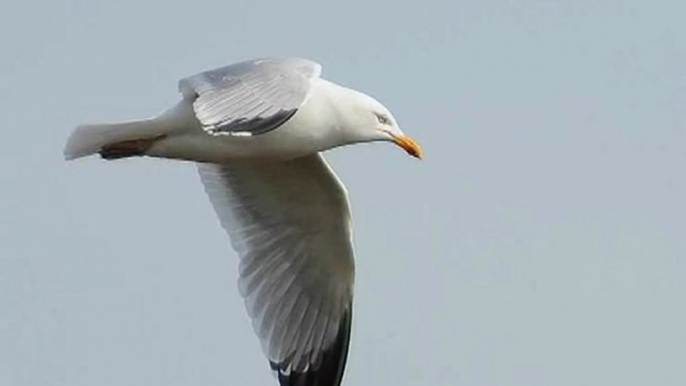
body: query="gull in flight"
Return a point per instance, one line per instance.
(256, 130)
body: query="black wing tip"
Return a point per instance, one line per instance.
(332, 365)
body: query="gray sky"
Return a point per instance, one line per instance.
(541, 242)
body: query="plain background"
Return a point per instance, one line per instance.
(541, 241)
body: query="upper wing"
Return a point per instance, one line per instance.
(250, 97)
(290, 224)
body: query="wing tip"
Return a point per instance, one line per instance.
(331, 364)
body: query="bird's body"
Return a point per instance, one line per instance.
(184, 137)
(256, 129)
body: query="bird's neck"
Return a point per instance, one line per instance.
(340, 104)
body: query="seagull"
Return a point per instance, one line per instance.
(256, 130)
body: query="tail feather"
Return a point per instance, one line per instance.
(103, 138)
(91, 139)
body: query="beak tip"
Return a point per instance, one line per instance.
(412, 147)
(409, 145)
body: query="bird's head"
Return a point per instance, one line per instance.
(368, 120)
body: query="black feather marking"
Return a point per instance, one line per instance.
(254, 126)
(331, 365)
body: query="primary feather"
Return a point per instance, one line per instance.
(290, 224)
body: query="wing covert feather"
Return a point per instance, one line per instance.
(251, 97)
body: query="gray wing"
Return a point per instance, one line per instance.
(290, 224)
(251, 97)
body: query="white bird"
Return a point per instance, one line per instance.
(256, 129)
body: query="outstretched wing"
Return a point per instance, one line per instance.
(252, 97)
(290, 224)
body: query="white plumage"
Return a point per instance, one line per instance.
(256, 129)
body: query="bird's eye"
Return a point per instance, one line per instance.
(382, 119)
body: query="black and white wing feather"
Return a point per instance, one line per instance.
(251, 97)
(290, 224)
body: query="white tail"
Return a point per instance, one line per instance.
(90, 139)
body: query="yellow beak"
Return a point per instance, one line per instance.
(408, 144)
